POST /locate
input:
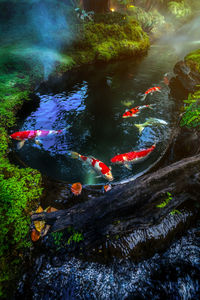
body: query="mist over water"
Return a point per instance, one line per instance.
(38, 29)
(185, 39)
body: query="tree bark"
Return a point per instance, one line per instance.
(131, 205)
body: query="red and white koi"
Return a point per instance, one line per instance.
(23, 136)
(151, 91)
(134, 112)
(131, 157)
(97, 165)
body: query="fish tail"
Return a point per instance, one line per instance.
(140, 127)
(151, 106)
(66, 128)
(74, 155)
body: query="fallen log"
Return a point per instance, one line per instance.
(130, 205)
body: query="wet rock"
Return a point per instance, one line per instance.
(186, 77)
(173, 274)
(56, 261)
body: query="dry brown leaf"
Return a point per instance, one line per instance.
(76, 188)
(35, 235)
(39, 225)
(50, 209)
(39, 210)
(45, 230)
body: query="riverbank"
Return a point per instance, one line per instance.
(20, 72)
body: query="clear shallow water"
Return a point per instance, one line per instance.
(93, 104)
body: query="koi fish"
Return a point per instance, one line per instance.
(151, 91)
(134, 112)
(131, 157)
(97, 165)
(23, 136)
(127, 103)
(150, 122)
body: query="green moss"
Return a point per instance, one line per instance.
(105, 41)
(19, 188)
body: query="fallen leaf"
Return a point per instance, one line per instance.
(107, 187)
(39, 210)
(76, 188)
(39, 225)
(45, 230)
(50, 209)
(35, 235)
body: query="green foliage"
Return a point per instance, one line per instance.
(19, 188)
(166, 201)
(57, 236)
(191, 116)
(175, 211)
(148, 20)
(193, 60)
(75, 236)
(179, 9)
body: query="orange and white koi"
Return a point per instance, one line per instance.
(131, 157)
(151, 91)
(23, 136)
(97, 165)
(134, 112)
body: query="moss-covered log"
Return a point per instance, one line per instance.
(135, 204)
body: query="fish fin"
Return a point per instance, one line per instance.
(128, 166)
(144, 97)
(74, 155)
(98, 176)
(140, 127)
(159, 91)
(110, 167)
(20, 144)
(38, 142)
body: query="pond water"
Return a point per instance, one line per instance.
(93, 104)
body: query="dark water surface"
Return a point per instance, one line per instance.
(93, 104)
